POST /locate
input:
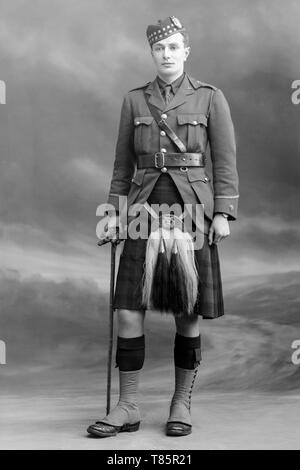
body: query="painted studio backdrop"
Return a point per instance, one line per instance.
(65, 66)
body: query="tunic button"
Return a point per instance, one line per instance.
(231, 207)
(137, 123)
(195, 122)
(164, 169)
(164, 116)
(205, 179)
(163, 150)
(162, 133)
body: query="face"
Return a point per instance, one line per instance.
(169, 56)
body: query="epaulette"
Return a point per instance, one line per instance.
(140, 87)
(197, 84)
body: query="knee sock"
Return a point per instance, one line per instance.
(130, 353)
(187, 351)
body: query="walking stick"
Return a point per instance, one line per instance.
(114, 244)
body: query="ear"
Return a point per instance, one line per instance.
(187, 52)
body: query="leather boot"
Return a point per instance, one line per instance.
(126, 415)
(179, 422)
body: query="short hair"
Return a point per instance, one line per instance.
(186, 39)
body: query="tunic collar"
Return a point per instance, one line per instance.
(174, 85)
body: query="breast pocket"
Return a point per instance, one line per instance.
(142, 134)
(194, 130)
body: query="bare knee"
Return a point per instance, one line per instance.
(130, 323)
(187, 326)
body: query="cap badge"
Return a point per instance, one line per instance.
(176, 22)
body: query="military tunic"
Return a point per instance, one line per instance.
(200, 116)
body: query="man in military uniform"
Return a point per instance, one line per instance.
(165, 129)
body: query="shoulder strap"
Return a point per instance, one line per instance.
(140, 87)
(197, 85)
(164, 126)
(212, 92)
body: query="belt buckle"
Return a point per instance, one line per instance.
(159, 155)
(203, 159)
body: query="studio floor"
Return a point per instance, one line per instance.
(220, 422)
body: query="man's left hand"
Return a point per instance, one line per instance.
(219, 229)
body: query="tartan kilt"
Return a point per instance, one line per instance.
(128, 291)
(129, 283)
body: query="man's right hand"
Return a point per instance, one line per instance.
(111, 228)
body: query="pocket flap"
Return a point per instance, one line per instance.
(197, 174)
(193, 119)
(147, 120)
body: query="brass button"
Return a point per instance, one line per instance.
(195, 122)
(137, 123)
(231, 207)
(164, 169)
(164, 116)
(205, 179)
(163, 150)
(162, 133)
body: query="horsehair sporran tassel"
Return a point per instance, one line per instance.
(152, 249)
(183, 284)
(160, 284)
(158, 241)
(178, 297)
(170, 280)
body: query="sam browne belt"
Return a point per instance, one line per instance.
(160, 160)
(163, 160)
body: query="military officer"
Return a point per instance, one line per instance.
(166, 128)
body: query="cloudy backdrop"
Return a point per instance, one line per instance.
(67, 65)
